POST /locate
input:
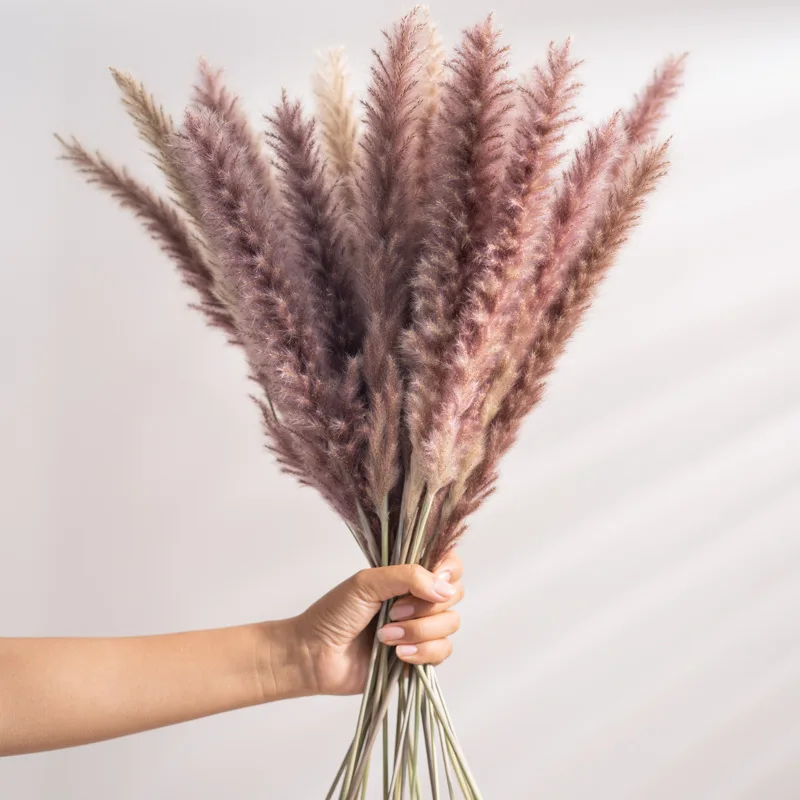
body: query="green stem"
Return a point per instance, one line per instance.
(401, 711)
(366, 529)
(451, 757)
(383, 664)
(384, 651)
(342, 766)
(409, 536)
(368, 689)
(361, 546)
(434, 679)
(419, 691)
(384, 516)
(404, 771)
(400, 749)
(401, 525)
(446, 760)
(386, 757)
(446, 726)
(410, 557)
(430, 746)
(376, 683)
(415, 755)
(408, 518)
(364, 783)
(374, 727)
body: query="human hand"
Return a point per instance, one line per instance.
(337, 631)
(60, 692)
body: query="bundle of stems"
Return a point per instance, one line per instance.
(401, 282)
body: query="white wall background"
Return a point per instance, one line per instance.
(632, 626)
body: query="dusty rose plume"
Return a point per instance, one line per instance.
(401, 275)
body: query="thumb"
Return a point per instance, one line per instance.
(382, 583)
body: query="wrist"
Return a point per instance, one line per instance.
(282, 661)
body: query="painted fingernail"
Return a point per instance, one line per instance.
(445, 575)
(391, 633)
(401, 611)
(406, 649)
(444, 589)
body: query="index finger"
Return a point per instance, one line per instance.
(383, 583)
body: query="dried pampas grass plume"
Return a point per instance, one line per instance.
(163, 222)
(402, 276)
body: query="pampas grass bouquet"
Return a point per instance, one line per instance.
(401, 273)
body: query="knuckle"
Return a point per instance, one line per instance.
(362, 581)
(361, 578)
(427, 629)
(417, 573)
(417, 630)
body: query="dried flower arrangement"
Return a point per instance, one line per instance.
(401, 286)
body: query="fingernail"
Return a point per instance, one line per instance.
(406, 649)
(445, 575)
(444, 589)
(390, 633)
(401, 611)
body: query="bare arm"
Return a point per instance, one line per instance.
(60, 692)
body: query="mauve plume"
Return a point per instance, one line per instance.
(245, 229)
(156, 128)
(583, 189)
(385, 177)
(562, 318)
(211, 93)
(213, 97)
(456, 428)
(276, 320)
(385, 204)
(164, 224)
(309, 209)
(573, 211)
(545, 110)
(466, 178)
(429, 85)
(490, 321)
(324, 255)
(640, 123)
(649, 108)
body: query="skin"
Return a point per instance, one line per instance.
(62, 692)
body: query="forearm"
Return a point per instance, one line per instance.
(59, 692)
